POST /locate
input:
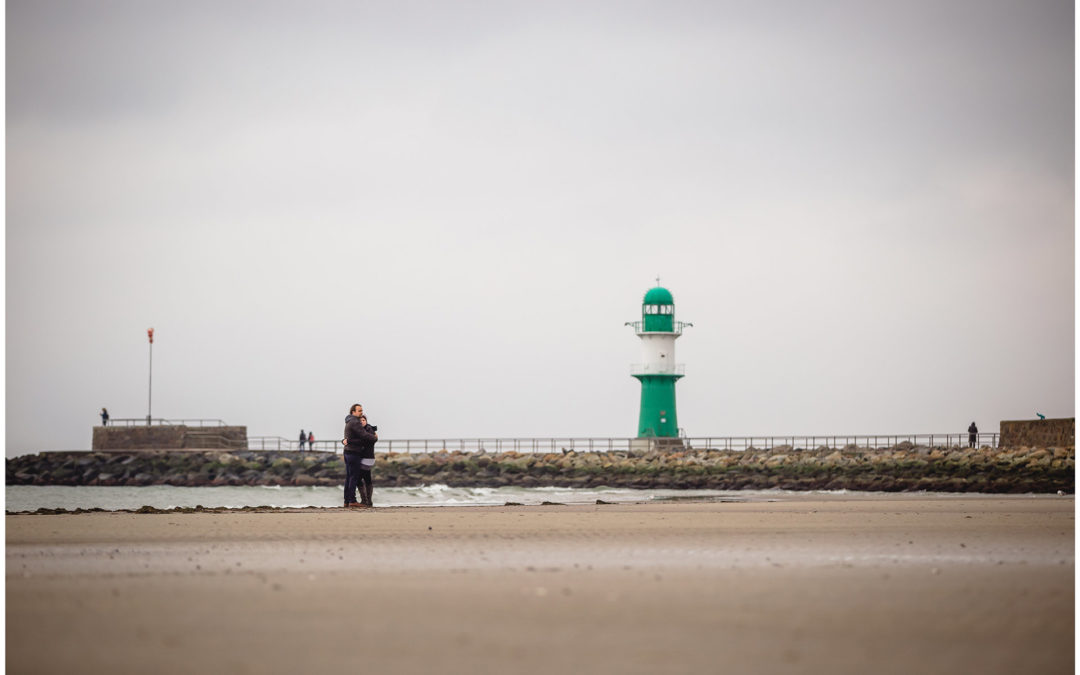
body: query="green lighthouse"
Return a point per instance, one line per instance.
(658, 371)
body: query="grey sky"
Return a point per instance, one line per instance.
(447, 211)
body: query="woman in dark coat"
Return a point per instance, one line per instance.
(367, 463)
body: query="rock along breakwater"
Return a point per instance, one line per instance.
(904, 467)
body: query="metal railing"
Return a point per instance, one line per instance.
(878, 442)
(556, 444)
(537, 445)
(157, 421)
(650, 369)
(530, 445)
(676, 328)
(280, 443)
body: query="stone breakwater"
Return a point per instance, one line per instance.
(904, 467)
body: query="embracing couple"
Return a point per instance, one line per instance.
(360, 439)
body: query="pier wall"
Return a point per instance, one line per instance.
(1046, 433)
(169, 437)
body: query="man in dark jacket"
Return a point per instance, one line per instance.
(973, 435)
(359, 445)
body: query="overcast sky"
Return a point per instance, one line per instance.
(447, 211)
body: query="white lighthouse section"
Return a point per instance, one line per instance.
(658, 352)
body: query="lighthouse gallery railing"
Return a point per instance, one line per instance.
(677, 328)
(649, 369)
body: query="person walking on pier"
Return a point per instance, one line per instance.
(973, 435)
(311, 441)
(360, 439)
(303, 439)
(104, 417)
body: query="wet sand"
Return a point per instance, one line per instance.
(837, 584)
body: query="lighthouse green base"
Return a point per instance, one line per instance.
(657, 418)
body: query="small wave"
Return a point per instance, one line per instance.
(435, 488)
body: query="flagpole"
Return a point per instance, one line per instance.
(150, 386)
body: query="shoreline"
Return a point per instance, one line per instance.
(545, 496)
(817, 584)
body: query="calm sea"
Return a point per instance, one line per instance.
(30, 498)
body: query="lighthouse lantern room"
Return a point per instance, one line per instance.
(658, 371)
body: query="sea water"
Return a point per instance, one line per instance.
(31, 498)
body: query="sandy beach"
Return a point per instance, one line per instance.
(835, 584)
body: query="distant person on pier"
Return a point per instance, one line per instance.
(104, 417)
(311, 441)
(303, 439)
(973, 435)
(360, 439)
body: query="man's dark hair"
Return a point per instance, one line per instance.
(354, 407)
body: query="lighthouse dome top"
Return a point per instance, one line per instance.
(658, 296)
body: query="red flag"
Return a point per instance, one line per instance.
(150, 334)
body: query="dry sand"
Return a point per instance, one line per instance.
(837, 584)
